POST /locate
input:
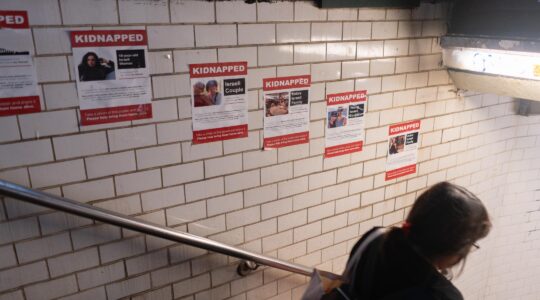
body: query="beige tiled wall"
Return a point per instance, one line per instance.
(290, 203)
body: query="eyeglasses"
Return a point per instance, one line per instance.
(474, 247)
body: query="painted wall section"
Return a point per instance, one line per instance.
(290, 203)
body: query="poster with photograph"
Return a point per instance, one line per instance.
(344, 123)
(18, 80)
(286, 111)
(112, 73)
(402, 149)
(219, 101)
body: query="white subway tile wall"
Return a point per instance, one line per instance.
(291, 203)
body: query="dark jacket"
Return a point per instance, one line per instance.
(391, 269)
(98, 72)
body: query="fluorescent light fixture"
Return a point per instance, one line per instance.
(524, 65)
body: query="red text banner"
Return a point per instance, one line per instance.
(393, 174)
(115, 114)
(344, 98)
(219, 134)
(16, 19)
(281, 83)
(404, 127)
(343, 149)
(286, 140)
(19, 105)
(217, 69)
(107, 38)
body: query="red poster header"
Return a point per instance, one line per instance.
(404, 127)
(342, 98)
(17, 19)
(218, 69)
(106, 38)
(282, 83)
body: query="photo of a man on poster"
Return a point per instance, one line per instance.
(93, 68)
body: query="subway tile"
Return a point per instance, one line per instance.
(48, 123)
(186, 213)
(306, 11)
(128, 287)
(409, 29)
(341, 51)
(356, 31)
(134, 137)
(248, 54)
(330, 31)
(160, 62)
(25, 153)
(256, 34)
(242, 181)
(383, 66)
(174, 131)
(353, 69)
(94, 235)
(182, 58)
(52, 288)
(371, 85)
(276, 55)
(223, 165)
(84, 12)
(133, 12)
(279, 11)
(236, 12)
(101, 275)
(110, 164)
(191, 152)
(57, 173)
(19, 276)
(80, 145)
(162, 198)
(182, 11)
(371, 14)
(72, 262)
(204, 189)
(138, 182)
(215, 35)
(90, 190)
(51, 69)
(384, 30)
(59, 221)
(10, 129)
(121, 249)
(343, 14)
(183, 173)
(158, 156)
(293, 32)
(369, 49)
(396, 47)
(309, 53)
(260, 195)
(326, 71)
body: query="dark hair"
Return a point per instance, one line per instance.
(211, 83)
(446, 220)
(85, 58)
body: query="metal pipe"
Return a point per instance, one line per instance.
(84, 210)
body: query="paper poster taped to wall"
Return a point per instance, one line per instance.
(18, 80)
(402, 149)
(344, 123)
(112, 73)
(219, 101)
(286, 111)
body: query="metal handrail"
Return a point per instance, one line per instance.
(19, 192)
